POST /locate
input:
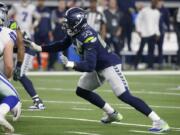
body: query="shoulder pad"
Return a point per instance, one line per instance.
(13, 25)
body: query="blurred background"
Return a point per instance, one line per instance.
(130, 27)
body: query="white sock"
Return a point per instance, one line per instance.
(4, 109)
(153, 116)
(108, 109)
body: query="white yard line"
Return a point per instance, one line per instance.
(11, 134)
(88, 120)
(145, 132)
(81, 133)
(147, 92)
(174, 89)
(62, 73)
(82, 109)
(118, 104)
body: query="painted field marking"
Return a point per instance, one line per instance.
(11, 134)
(81, 133)
(86, 103)
(93, 121)
(109, 91)
(174, 89)
(145, 132)
(72, 73)
(82, 109)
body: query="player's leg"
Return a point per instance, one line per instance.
(89, 82)
(116, 79)
(28, 85)
(9, 102)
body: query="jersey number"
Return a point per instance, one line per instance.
(25, 14)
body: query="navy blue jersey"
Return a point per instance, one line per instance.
(95, 53)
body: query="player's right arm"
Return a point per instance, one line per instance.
(8, 59)
(56, 46)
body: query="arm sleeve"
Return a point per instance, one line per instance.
(88, 63)
(58, 45)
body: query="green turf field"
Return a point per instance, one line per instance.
(67, 114)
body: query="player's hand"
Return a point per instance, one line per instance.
(32, 45)
(66, 62)
(17, 74)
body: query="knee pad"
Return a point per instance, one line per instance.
(11, 101)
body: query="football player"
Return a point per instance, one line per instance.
(99, 64)
(23, 14)
(9, 98)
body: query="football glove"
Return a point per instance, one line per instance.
(66, 62)
(29, 43)
(32, 45)
(17, 72)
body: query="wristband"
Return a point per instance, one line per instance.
(19, 63)
(70, 64)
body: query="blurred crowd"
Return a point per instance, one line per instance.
(115, 20)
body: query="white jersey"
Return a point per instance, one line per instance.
(6, 35)
(24, 16)
(147, 22)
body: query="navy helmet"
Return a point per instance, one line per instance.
(3, 13)
(74, 20)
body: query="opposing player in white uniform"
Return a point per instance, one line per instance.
(23, 14)
(9, 99)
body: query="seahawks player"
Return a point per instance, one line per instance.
(99, 64)
(9, 99)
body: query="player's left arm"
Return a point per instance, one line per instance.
(20, 46)
(88, 63)
(20, 56)
(20, 49)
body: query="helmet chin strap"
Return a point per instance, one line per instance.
(70, 33)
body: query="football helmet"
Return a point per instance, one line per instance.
(74, 21)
